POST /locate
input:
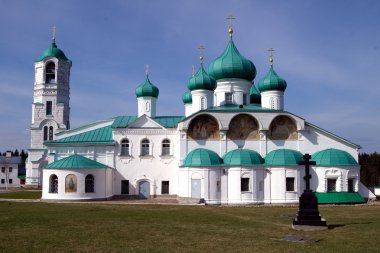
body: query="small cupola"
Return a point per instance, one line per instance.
(187, 98)
(254, 96)
(53, 51)
(147, 95)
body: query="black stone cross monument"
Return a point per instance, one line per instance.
(308, 214)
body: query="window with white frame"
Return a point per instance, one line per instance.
(228, 98)
(331, 184)
(53, 184)
(145, 147)
(45, 133)
(50, 73)
(165, 147)
(244, 99)
(89, 183)
(203, 103)
(290, 184)
(51, 133)
(351, 185)
(244, 184)
(124, 151)
(164, 187)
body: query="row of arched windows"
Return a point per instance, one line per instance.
(89, 183)
(241, 127)
(48, 133)
(145, 147)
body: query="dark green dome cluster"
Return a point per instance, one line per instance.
(53, 51)
(147, 89)
(231, 64)
(201, 81)
(187, 98)
(272, 81)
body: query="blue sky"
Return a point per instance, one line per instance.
(327, 51)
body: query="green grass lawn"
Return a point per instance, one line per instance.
(24, 194)
(52, 227)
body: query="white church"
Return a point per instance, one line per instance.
(236, 143)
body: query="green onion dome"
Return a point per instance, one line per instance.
(283, 157)
(147, 89)
(272, 82)
(333, 157)
(201, 81)
(231, 64)
(254, 95)
(53, 51)
(187, 98)
(202, 157)
(242, 157)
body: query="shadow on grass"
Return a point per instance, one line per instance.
(332, 226)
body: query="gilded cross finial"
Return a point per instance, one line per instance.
(230, 30)
(146, 70)
(201, 48)
(271, 56)
(193, 70)
(54, 31)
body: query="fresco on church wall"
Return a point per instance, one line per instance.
(243, 127)
(282, 128)
(71, 183)
(203, 127)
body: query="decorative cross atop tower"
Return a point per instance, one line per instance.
(306, 161)
(271, 56)
(54, 31)
(146, 70)
(230, 30)
(201, 48)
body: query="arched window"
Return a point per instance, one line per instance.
(53, 184)
(124, 147)
(203, 103)
(165, 147)
(89, 183)
(50, 133)
(45, 133)
(50, 72)
(145, 147)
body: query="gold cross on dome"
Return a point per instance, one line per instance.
(146, 70)
(271, 56)
(201, 48)
(54, 31)
(230, 30)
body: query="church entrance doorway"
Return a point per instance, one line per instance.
(144, 189)
(196, 188)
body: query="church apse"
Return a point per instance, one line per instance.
(243, 127)
(203, 127)
(282, 128)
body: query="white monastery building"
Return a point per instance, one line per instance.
(236, 143)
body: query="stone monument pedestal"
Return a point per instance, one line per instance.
(308, 214)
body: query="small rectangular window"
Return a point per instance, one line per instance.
(290, 184)
(244, 184)
(244, 99)
(350, 186)
(3, 169)
(3, 181)
(10, 169)
(218, 186)
(165, 187)
(228, 98)
(124, 186)
(10, 181)
(49, 107)
(331, 185)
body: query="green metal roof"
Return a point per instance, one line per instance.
(339, 198)
(254, 95)
(147, 89)
(201, 81)
(333, 157)
(101, 135)
(242, 157)
(202, 157)
(187, 98)
(272, 81)
(76, 162)
(231, 64)
(53, 51)
(165, 121)
(168, 121)
(283, 157)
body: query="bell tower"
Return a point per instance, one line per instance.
(51, 105)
